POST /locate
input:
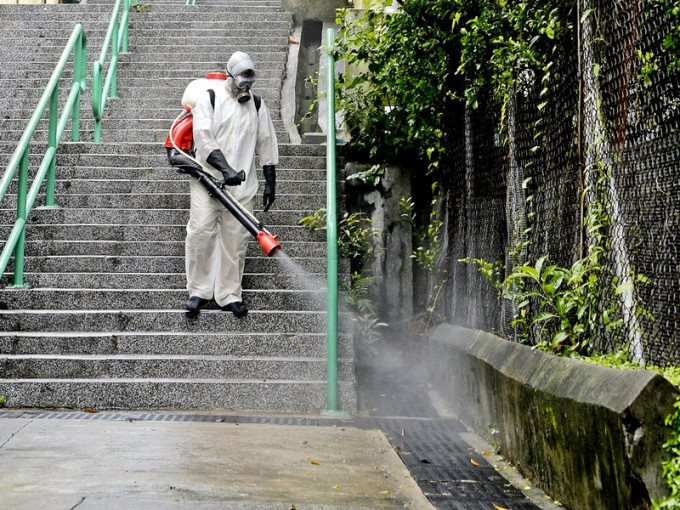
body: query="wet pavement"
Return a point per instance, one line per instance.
(403, 450)
(453, 467)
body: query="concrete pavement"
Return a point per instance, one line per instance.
(134, 460)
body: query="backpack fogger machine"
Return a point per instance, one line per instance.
(179, 147)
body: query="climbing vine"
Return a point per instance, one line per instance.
(406, 70)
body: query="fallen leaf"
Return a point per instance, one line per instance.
(486, 453)
(316, 463)
(474, 462)
(499, 507)
(397, 449)
(90, 410)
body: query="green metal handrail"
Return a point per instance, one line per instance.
(331, 236)
(102, 89)
(192, 2)
(77, 44)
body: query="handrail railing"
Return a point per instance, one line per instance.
(77, 44)
(331, 236)
(102, 88)
(192, 2)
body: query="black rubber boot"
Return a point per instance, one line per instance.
(195, 304)
(238, 308)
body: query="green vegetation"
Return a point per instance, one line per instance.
(355, 242)
(409, 72)
(355, 234)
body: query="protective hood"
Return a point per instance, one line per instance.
(238, 63)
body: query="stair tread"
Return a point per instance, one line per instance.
(109, 332)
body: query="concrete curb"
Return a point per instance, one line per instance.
(591, 437)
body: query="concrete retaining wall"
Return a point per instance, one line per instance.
(591, 437)
(320, 10)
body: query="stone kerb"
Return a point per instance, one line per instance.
(591, 437)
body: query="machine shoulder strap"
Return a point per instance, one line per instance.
(256, 99)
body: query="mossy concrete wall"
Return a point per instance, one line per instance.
(591, 437)
(320, 10)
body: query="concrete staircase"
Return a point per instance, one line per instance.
(102, 324)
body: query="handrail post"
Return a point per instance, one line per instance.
(97, 98)
(22, 192)
(79, 78)
(331, 236)
(124, 34)
(114, 62)
(52, 144)
(104, 87)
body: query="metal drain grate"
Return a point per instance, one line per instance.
(172, 417)
(440, 462)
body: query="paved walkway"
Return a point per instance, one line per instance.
(403, 450)
(156, 461)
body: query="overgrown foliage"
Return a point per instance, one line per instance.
(562, 308)
(406, 70)
(355, 242)
(355, 234)
(671, 466)
(428, 239)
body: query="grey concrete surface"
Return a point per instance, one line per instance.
(126, 463)
(590, 436)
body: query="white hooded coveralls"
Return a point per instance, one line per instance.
(216, 242)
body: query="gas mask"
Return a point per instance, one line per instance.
(242, 86)
(241, 71)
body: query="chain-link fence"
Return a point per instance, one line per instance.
(599, 153)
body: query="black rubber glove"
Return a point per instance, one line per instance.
(269, 186)
(231, 176)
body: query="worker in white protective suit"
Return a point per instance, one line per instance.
(226, 138)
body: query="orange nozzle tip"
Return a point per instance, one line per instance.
(268, 243)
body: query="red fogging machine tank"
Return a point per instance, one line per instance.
(179, 146)
(182, 130)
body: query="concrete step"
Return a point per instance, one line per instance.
(33, 82)
(285, 149)
(212, 321)
(159, 367)
(165, 174)
(137, 217)
(286, 234)
(157, 161)
(93, 186)
(168, 201)
(23, 17)
(157, 299)
(253, 395)
(289, 280)
(150, 248)
(143, 37)
(172, 343)
(157, 264)
(120, 136)
(143, 129)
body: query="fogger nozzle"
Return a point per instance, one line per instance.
(268, 243)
